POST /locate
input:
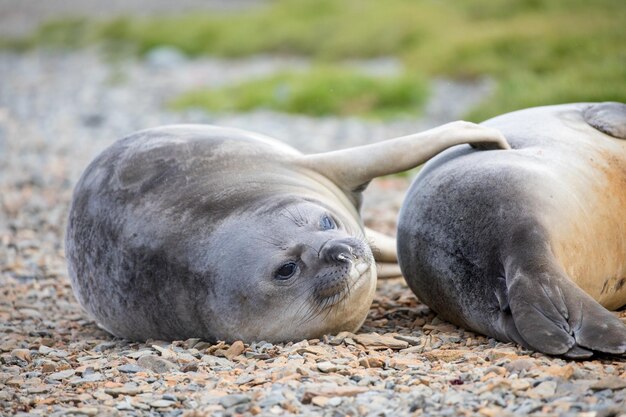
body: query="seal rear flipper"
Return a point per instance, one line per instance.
(383, 246)
(556, 317)
(609, 118)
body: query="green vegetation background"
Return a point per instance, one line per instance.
(538, 51)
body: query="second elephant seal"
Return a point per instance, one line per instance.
(527, 245)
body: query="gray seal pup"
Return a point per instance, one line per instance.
(527, 245)
(222, 234)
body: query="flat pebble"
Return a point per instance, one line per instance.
(129, 368)
(156, 364)
(57, 376)
(233, 400)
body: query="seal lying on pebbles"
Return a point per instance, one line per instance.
(527, 245)
(200, 231)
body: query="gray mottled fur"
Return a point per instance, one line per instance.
(180, 232)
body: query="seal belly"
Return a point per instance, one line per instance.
(589, 237)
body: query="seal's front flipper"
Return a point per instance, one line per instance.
(353, 168)
(609, 118)
(554, 316)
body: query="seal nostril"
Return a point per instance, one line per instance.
(337, 252)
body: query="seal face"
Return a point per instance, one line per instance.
(200, 231)
(527, 245)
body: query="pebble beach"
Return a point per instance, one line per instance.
(59, 109)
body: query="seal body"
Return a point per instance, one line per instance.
(200, 231)
(527, 245)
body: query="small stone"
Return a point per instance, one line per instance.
(39, 389)
(234, 350)
(233, 400)
(519, 365)
(54, 353)
(271, 400)
(404, 363)
(564, 372)
(156, 364)
(520, 384)
(15, 382)
(202, 346)
(491, 411)
(93, 377)
(332, 392)
(138, 403)
(610, 382)
(124, 406)
(448, 355)
(129, 368)
(320, 400)
(138, 354)
(442, 327)
(214, 361)
(374, 340)
(190, 367)
(497, 354)
(334, 401)
(125, 390)
(411, 340)
(161, 403)
(44, 350)
(57, 376)
(21, 354)
(48, 366)
(545, 389)
(165, 352)
(327, 366)
(314, 350)
(101, 347)
(372, 362)
(87, 411)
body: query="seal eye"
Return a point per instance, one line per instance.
(286, 271)
(326, 223)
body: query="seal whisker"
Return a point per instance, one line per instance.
(304, 292)
(303, 219)
(270, 242)
(291, 217)
(317, 251)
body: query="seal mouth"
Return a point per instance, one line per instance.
(350, 282)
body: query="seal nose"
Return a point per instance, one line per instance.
(337, 251)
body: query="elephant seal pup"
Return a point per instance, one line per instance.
(527, 245)
(199, 231)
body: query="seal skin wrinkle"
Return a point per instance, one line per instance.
(221, 234)
(527, 245)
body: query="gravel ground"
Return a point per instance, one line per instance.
(58, 110)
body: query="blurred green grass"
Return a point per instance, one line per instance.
(321, 91)
(539, 51)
